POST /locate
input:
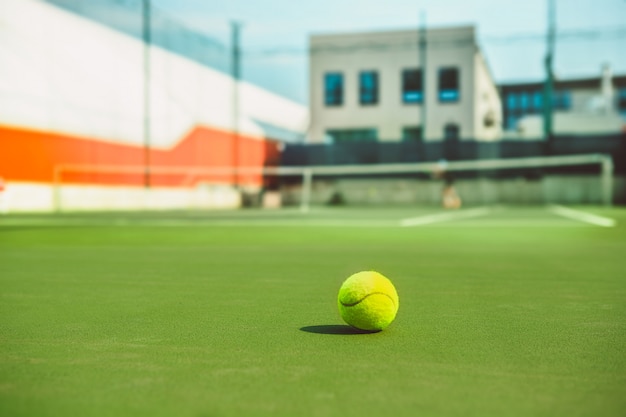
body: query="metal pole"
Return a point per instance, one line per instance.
(307, 182)
(236, 74)
(422, 58)
(607, 181)
(549, 82)
(146, 92)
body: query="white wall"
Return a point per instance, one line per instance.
(65, 73)
(34, 197)
(580, 123)
(389, 53)
(487, 102)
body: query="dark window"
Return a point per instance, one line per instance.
(511, 122)
(449, 85)
(451, 141)
(451, 132)
(562, 100)
(538, 101)
(352, 135)
(524, 101)
(333, 89)
(412, 86)
(368, 87)
(621, 101)
(412, 134)
(511, 101)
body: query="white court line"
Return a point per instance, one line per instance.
(583, 216)
(202, 223)
(444, 217)
(277, 223)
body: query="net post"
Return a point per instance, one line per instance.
(607, 181)
(307, 181)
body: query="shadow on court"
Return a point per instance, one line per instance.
(340, 329)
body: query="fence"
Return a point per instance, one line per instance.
(365, 152)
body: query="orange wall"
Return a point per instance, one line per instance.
(31, 156)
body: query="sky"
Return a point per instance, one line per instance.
(511, 34)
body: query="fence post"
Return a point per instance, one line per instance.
(607, 180)
(307, 182)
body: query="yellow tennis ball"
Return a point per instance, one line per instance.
(368, 301)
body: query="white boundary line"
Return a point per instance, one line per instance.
(583, 216)
(444, 217)
(202, 223)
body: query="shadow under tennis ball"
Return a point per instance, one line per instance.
(340, 329)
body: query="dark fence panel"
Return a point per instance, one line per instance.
(367, 152)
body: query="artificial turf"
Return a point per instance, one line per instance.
(221, 320)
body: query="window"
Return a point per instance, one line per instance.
(412, 86)
(449, 85)
(562, 100)
(333, 89)
(353, 135)
(451, 141)
(524, 101)
(511, 101)
(511, 122)
(412, 134)
(538, 101)
(451, 132)
(368, 87)
(621, 101)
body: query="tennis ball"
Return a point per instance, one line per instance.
(368, 301)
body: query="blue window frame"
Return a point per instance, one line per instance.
(562, 100)
(524, 101)
(621, 101)
(511, 122)
(368, 87)
(538, 100)
(333, 89)
(412, 86)
(449, 85)
(511, 101)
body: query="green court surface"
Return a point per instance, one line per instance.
(503, 312)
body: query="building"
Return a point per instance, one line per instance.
(92, 116)
(580, 106)
(385, 86)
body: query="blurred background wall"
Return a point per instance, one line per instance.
(92, 100)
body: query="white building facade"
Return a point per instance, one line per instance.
(382, 86)
(583, 106)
